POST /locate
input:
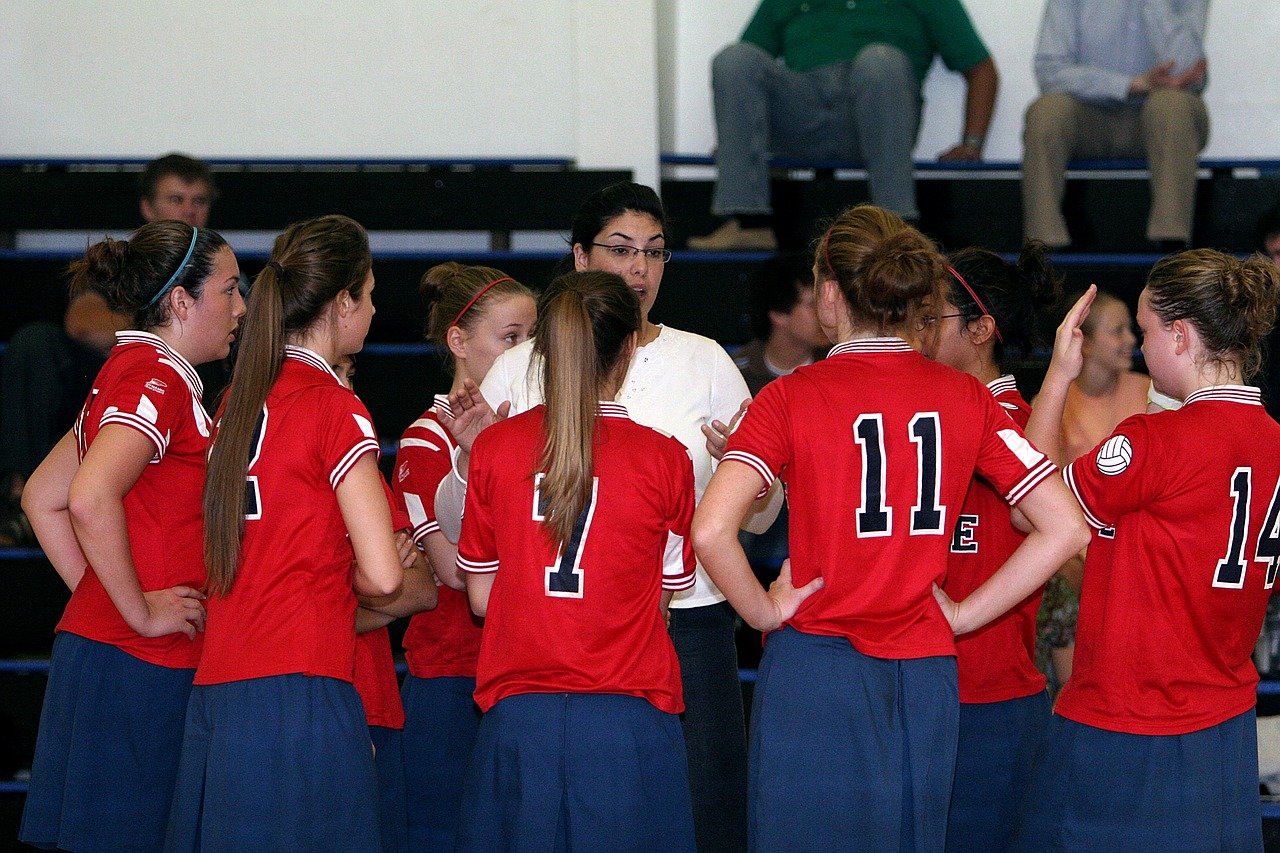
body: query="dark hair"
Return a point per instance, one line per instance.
(886, 270)
(188, 169)
(607, 204)
(1014, 294)
(584, 321)
(311, 263)
(775, 286)
(129, 274)
(446, 289)
(1231, 303)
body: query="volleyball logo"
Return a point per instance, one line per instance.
(1115, 455)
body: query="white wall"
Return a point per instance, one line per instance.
(299, 78)
(1243, 95)
(599, 82)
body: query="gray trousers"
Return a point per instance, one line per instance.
(1169, 128)
(867, 110)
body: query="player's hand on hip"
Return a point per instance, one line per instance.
(172, 611)
(950, 608)
(786, 597)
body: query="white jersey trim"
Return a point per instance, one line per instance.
(1069, 476)
(1034, 477)
(477, 567)
(1246, 394)
(757, 464)
(139, 423)
(170, 357)
(310, 357)
(348, 461)
(871, 345)
(1002, 385)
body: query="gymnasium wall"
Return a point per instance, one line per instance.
(608, 83)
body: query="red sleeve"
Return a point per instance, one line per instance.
(1111, 480)
(399, 518)
(477, 547)
(150, 398)
(423, 460)
(345, 433)
(678, 562)
(1006, 459)
(763, 438)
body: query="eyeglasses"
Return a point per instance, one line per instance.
(929, 320)
(629, 253)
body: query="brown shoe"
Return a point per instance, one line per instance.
(732, 237)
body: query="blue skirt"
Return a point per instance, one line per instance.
(107, 750)
(577, 771)
(850, 749)
(388, 762)
(278, 763)
(1094, 789)
(440, 723)
(998, 741)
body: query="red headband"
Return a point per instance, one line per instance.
(481, 292)
(974, 296)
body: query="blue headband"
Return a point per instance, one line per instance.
(195, 232)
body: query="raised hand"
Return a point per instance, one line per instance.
(1068, 341)
(471, 413)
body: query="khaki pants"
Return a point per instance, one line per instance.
(1169, 129)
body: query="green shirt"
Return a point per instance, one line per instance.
(810, 33)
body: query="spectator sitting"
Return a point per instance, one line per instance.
(1120, 79)
(848, 87)
(48, 370)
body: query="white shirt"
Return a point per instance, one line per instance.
(675, 384)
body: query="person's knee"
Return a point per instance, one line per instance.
(1050, 117)
(884, 64)
(738, 60)
(1174, 116)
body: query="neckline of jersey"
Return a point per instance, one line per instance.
(1247, 394)
(185, 369)
(871, 345)
(299, 353)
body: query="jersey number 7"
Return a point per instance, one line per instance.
(874, 518)
(564, 579)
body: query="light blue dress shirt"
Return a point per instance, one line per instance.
(1092, 49)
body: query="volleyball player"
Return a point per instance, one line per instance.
(854, 723)
(1153, 742)
(116, 506)
(988, 311)
(474, 314)
(574, 539)
(276, 752)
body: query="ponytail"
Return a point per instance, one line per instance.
(311, 263)
(585, 321)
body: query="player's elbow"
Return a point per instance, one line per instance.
(380, 584)
(710, 531)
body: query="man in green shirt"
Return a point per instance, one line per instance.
(836, 80)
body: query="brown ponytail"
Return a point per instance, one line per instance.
(311, 263)
(584, 323)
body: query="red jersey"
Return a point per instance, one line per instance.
(1172, 605)
(877, 446)
(996, 662)
(375, 672)
(585, 618)
(291, 608)
(444, 641)
(148, 387)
